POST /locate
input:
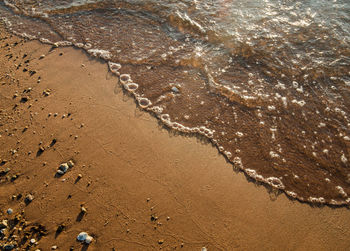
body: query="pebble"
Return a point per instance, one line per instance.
(3, 224)
(9, 211)
(70, 163)
(29, 198)
(88, 239)
(59, 172)
(63, 168)
(9, 246)
(84, 237)
(32, 241)
(42, 56)
(54, 247)
(83, 210)
(174, 89)
(47, 92)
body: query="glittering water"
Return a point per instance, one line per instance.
(268, 82)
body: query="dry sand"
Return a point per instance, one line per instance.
(144, 188)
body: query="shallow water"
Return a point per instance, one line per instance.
(268, 82)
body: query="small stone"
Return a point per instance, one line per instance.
(174, 89)
(9, 246)
(14, 177)
(29, 198)
(24, 99)
(88, 239)
(5, 171)
(82, 236)
(80, 176)
(42, 56)
(47, 92)
(64, 167)
(83, 210)
(3, 224)
(168, 218)
(70, 163)
(160, 242)
(54, 247)
(9, 211)
(60, 172)
(32, 241)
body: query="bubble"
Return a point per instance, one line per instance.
(341, 191)
(157, 109)
(239, 134)
(343, 159)
(100, 53)
(125, 78)
(316, 200)
(274, 155)
(291, 194)
(228, 154)
(165, 117)
(79, 45)
(131, 87)
(114, 67)
(271, 108)
(275, 182)
(144, 102)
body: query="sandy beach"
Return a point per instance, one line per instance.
(133, 185)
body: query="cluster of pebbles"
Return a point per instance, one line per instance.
(18, 234)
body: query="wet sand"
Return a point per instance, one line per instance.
(143, 187)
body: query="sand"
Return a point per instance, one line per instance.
(143, 187)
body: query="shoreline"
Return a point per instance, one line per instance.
(272, 183)
(133, 170)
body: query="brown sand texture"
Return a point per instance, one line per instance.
(134, 184)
